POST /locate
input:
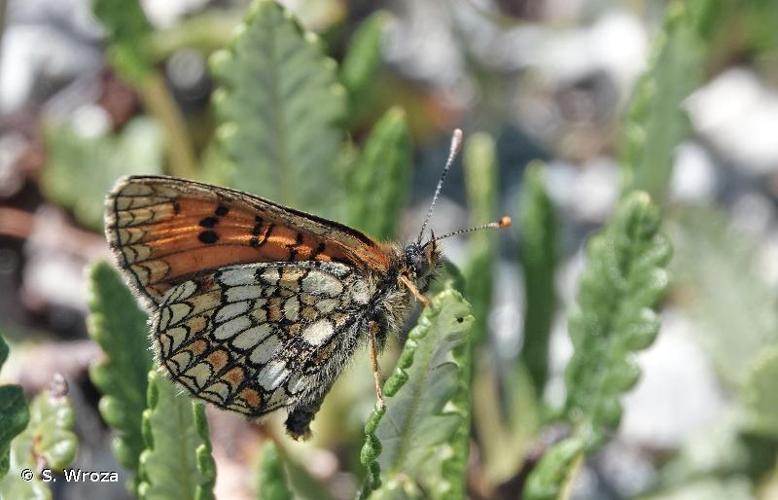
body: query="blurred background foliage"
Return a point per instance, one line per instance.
(633, 145)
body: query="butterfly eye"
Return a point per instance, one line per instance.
(415, 259)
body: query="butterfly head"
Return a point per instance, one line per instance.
(421, 261)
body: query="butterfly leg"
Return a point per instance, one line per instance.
(415, 291)
(373, 328)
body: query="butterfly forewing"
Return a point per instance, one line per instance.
(164, 231)
(256, 337)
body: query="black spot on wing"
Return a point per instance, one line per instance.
(208, 237)
(209, 222)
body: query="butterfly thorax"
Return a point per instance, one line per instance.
(418, 263)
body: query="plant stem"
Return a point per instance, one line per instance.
(159, 102)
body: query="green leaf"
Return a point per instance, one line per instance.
(506, 417)
(760, 395)
(3, 351)
(13, 420)
(272, 478)
(13, 413)
(205, 32)
(539, 258)
(177, 462)
(552, 476)
(763, 16)
(362, 62)
(624, 277)
(480, 166)
(79, 170)
(127, 29)
(454, 463)
(12, 486)
(655, 122)
(380, 181)
(206, 465)
(47, 443)
(408, 441)
(119, 327)
(725, 295)
(49, 432)
(280, 105)
(731, 28)
(709, 488)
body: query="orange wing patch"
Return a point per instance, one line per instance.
(165, 230)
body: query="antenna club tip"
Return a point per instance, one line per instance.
(505, 221)
(456, 140)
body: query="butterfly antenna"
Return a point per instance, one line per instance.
(504, 221)
(456, 147)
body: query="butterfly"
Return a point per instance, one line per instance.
(256, 306)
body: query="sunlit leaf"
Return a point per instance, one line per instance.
(79, 170)
(272, 477)
(624, 278)
(119, 327)
(379, 182)
(48, 445)
(127, 29)
(655, 122)
(280, 106)
(13, 413)
(177, 461)
(409, 439)
(761, 396)
(539, 256)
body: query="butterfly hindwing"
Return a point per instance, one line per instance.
(165, 231)
(253, 338)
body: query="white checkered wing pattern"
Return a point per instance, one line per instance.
(253, 338)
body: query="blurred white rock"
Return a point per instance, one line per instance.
(420, 43)
(767, 260)
(738, 114)
(596, 190)
(12, 147)
(560, 180)
(694, 174)
(507, 314)
(752, 213)
(560, 348)
(45, 41)
(628, 469)
(32, 53)
(91, 120)
(677, 391)
(615, 43)
(425, 38)
(589, 192)
(165, 13)
(52, 276)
